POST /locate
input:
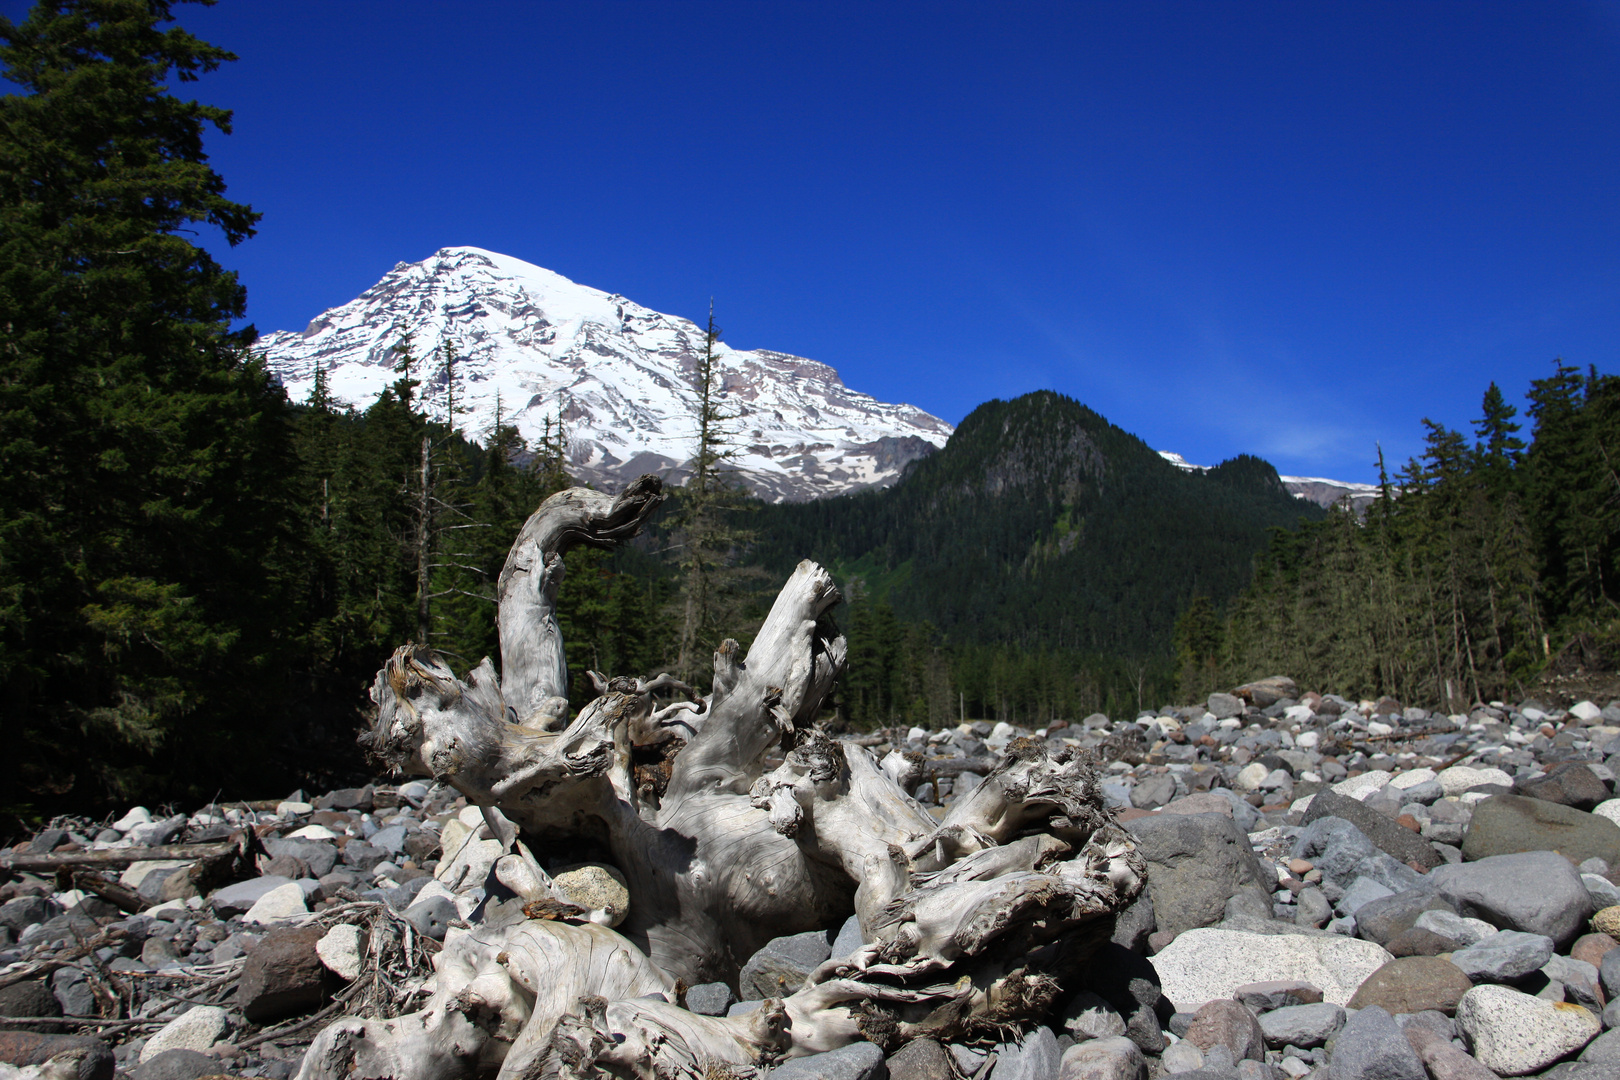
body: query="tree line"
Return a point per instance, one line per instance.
(1480, 565)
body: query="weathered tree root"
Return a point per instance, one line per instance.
(971, 924)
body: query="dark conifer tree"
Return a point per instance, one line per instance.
(146, 519)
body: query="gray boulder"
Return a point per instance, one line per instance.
(1130, 985)
(1343, 853)
(1538, 892)
(1609, 972)
(1088, 1016)
(432, 917)
(178, 1065)
(1384, 919)
(318, 855)
(73, 993)
(1098, 1059)
(29, 999)
(1508, 824)
(1361, 892)
(1230, 1024)
(781, 967)
(1196, 863)
(1579, 980)
(1135, 924)
(1404, 845)
(1603, 1050)
(1577, 1070)
(1305, 1026)
(921, 1059)
(1506, 956)
(363, 857)
(710, 999)
(848, 939)
(238, 898)
(1034, 1057)
(857, 1061)
(1569, 784)
(1371, 1046)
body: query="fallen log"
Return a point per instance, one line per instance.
(121, 896)
(111, 858)
(970, 923)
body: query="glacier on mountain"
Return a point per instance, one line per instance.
(622, 377)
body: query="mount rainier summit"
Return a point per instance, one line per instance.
(623, 378)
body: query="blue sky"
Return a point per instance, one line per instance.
(1288, 229)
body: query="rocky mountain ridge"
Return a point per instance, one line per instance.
(1314, 489)
(533, 346)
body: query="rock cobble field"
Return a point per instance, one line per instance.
(1336, 889)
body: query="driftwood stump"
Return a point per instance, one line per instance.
(970, 924)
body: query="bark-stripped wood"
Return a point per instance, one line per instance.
(970, 923)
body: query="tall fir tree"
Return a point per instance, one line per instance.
(146, 521)
(710, 536)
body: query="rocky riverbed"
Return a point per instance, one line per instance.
(1355, 889)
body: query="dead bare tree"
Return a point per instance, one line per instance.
(970, 923)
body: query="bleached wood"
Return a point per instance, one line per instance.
(969, 922)
(534, 668)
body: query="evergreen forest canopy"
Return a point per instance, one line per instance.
(199, 578)
(1481, 568)
(1032, 569)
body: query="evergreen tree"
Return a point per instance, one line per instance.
(1197, 640)
(146, 534)
(1499, 449)
(710, 538)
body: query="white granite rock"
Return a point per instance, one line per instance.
(339, 950)
(1095, 1059)
(1585, 711)
(239, 898)
(1513, 1034)
(278, 905)
(1202, 965)
(467, 860)
(1459, 778)
(1363, 786)
(138, 815)
(312, 832)
(1411, 778)
(1249, 777)
(1610, 809)
(197, 1028)
(136, 872)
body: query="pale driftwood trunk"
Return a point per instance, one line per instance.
(970, 923)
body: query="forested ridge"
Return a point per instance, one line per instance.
(1033, 568)
(1483, 566)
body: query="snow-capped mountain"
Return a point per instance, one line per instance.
(1310, 488)
(622, 378)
